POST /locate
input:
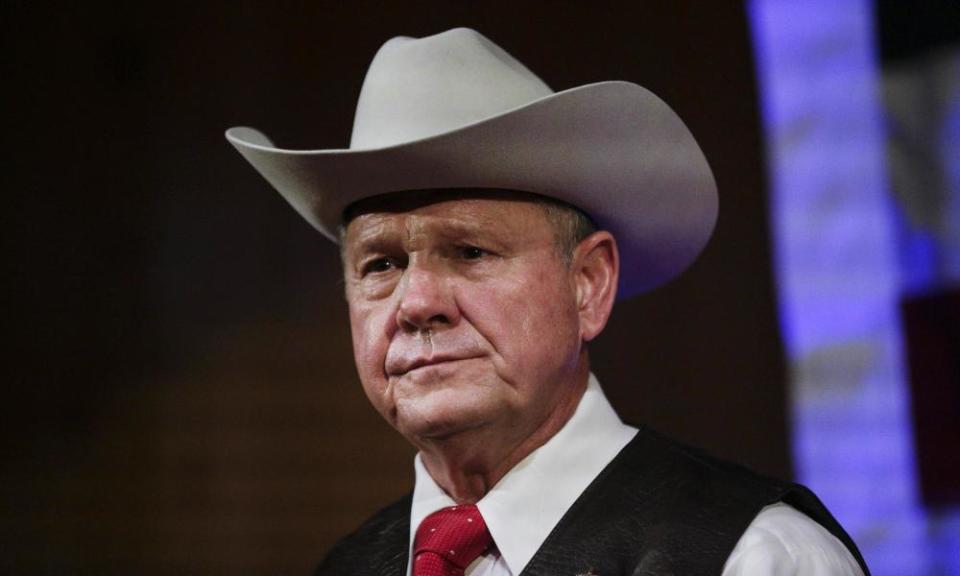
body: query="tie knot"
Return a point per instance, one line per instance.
(448, 540)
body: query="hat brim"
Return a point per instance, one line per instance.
(613, 149)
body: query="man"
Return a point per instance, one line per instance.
(487, 225)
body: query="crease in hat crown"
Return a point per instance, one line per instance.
(417, 88)
(454, 110)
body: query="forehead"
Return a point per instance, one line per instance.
(447, 214)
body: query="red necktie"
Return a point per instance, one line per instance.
(449, 540)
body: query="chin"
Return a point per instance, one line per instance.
(440, 415)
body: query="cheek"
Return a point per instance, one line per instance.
(551, 330)
(369, 349)
(531, 322)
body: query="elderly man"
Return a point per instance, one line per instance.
(487, 225)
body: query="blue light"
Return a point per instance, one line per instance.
(840, 273)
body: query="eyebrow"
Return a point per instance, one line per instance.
(369, 237)
(379, 236)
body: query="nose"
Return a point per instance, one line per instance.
(427, 300)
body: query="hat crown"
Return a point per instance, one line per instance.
(416, 88)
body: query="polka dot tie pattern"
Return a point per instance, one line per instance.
(448, 540)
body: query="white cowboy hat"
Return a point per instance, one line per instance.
(455, 110)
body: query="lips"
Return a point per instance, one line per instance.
(402, 365)
(408, 352)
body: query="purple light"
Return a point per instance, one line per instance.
(840, 273)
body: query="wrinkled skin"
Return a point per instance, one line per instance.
(469, 329)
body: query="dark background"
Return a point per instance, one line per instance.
(179, 395)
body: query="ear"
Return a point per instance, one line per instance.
(596, 271)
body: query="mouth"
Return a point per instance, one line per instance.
(423, 363)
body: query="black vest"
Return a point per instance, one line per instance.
(658, 508)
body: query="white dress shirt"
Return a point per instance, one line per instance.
(543, 486)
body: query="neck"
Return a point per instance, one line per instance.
(468, 465)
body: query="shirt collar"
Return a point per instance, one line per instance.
(519, 512)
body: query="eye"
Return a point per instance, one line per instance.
(378, 265)
(471, 253)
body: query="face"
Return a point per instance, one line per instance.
(463, 315)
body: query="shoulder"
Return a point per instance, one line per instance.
(743, 506)
(783, 540)
(379, 542)
(659, 507)
(696, 475)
